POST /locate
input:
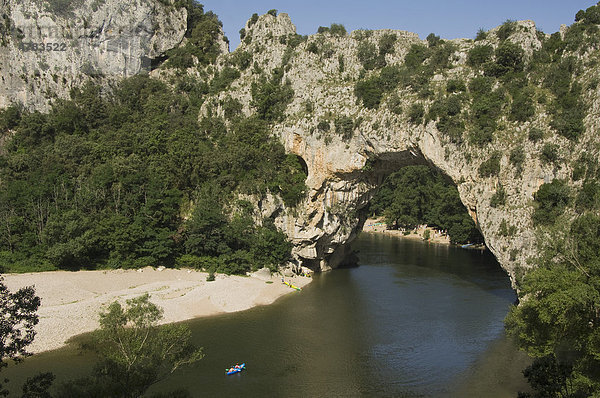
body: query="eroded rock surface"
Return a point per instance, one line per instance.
(48, 47)
(343, 174)
(343, 170)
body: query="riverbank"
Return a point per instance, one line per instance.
(378, 226)
(71, 301)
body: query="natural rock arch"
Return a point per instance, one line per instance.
(343, 167)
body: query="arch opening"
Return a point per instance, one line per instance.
(419, 199)
(432, 203)
(303, 164)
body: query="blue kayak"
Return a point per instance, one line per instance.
(235, 369)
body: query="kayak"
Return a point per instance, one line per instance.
(292, 286)
(235, 369)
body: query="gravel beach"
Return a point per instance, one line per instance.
(71, 301)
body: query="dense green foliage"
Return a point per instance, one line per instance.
(499, 197)
(446, 111)
(479, 55)
(486, 109)
(420, 64)
(202, 34)
(505, 83)
(558, 316)
(588, 197)
(491, 166)
(548, 377)
(506, 29)
(517, 158)
(62, 8)
(455, 86)
(481, 34)
(508, 57)
(586, 167)
(551, 200)
(18, 311)
(420, 195)
(371, 91)
(335, 29)
(344, 126)
(559, 311)
(270, 97)
(549, 153)
(368, 56)
(106, 181)
(535, 134)
(386, 44)
(589, 16)
(416, 113)
(134, 352)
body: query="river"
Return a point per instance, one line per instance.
(413, 320)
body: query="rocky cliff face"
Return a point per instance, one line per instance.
(49, 47)
(343, 172)
(347, 147)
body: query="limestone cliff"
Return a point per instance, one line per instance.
(49, 47)
(348, 147)
(344, 172)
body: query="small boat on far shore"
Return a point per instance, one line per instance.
(478, 246)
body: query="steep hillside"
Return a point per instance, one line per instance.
(49, 47)
(502, 115)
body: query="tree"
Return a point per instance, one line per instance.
(135, 352)
(509, 56)
(558, 317)
(203, 31)
(490, 167)
(433, 40)
(551, 200)
(270, 98)
(368, 56)
(419, 195)
(110, 180)
(38, 386)
(17, 320)
(337, 29)
(291, 183)
(548, 377)
(204, 230)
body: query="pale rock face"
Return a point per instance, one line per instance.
(342, 175)
(101, 40)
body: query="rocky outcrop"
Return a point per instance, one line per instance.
(49, 47)
(344, 170)
(343, 173)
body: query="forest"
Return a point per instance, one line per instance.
(132, 179)
(129, 177)
(417, 195)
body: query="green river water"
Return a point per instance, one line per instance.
(412, 320)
